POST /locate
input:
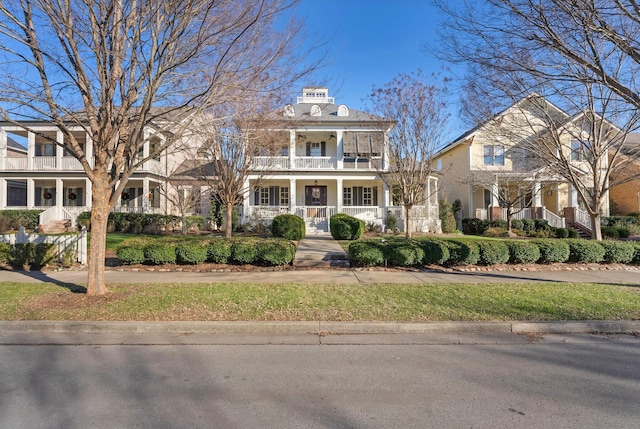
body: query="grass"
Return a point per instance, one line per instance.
(300, 302)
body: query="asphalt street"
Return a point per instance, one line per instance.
(335, 381)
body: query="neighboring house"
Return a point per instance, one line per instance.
(496, 155)
(626, 196)
(331, 160)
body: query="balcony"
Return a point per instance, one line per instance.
(315, 163)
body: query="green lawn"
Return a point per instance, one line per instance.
(299, 302)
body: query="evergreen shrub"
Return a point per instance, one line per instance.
(367, 252)
(159, 253)
(345, 227)
(493, 252)
(552, 251)
(435, 251)
(191, 253)
(617, 252)
(462, 252)
(585, 251)
(404, 253)
(244, 251)
(219, 250)
(276, 251)
(610, 232)
(288, 226)
(522, 252)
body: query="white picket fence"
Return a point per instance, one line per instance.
(64, 243)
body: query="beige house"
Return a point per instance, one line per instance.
(494, 163)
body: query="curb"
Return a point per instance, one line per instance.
(317, 327)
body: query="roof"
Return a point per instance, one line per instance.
(12, 144)
(329, 113)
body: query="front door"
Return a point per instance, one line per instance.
(315, 196)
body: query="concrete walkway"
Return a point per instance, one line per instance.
(320, 251)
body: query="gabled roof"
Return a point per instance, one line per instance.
(12, 144)
(561, 118)
(329, 114)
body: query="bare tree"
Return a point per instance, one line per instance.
(419, 110)
(105, 66)
(582, 55)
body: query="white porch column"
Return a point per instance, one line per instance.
(59, 193)
(470, 194)
(88, 194)
(340, 150)
(385, 196)
(3, 150)
(494, 194)
(3, 194)
(31, 149)
(246, 201)
(537, 196)
(145, 194)
(59, 150)
(292, 196)
(573, 196)
(292, 148)
(339, 196)
(88, 152)
(30, 193)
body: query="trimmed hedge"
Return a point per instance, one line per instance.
(435, 251)
(191, 253)
(493, 252)
(404, 253)
(462, 252)
(160, 253)
(367, 252)
(345, 227)
(12, 220)
(619, 252)
(610, 232)
(244, 251)
(636, 255)
(219, 251)
(522, 252)
(288, 226)
(585, 251)
(5, 253)
(552, 250)
(32, 255)
(276, 251)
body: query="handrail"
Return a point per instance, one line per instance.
(582, 218)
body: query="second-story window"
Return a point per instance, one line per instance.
(577, 152)
(316, 148)
(493, 154)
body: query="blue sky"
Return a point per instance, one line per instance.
(371, 41)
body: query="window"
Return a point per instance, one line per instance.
(439, 164)
(577, 152)
(494, 154)
(315, 149)
(360, 196)
(272, 196)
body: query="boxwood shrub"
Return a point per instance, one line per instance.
(552, 250)
(276, 251)
(131, 251)
(345, 227)
(32, 254)
(561, 232)
(244, 251)
(462, 252)
(219, 251)
(435, 251)
(610, 232)
(14, 219)
(585, 251)
(159, 253)
(522, 252)
(191, 253)
(620, 252)
(5, 253)
(404, 253)
(636, 255)
(493, 252)
(288, 226)
(367, 252)
(573, 233)
(623, 232)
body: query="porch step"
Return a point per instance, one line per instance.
(583, 232)
(317, 227)
(56, 226)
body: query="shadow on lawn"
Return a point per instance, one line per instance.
(43, 277)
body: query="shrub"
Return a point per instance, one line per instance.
(623, 232)
(196, 223)
(617, 251)
(517, 224)
(561, 232)
(367, 252)
(522, 252)
(493, 252)
(636, 255)
(14, 219)
(288, 226)
(5, 253)
(495, 232)
(219, 251)
(610, 232)
(529, 226)
(345, 227)
(404, 253)
(131, 251)
(244, 251)
(160, 253)
(474, 226)
(585, 251)
(552, 250)
(276, 251)
(391, 222)
(191, 253)
(447, 219)
(541, 225)
(498, 223)
(84, 219)
(32, 254)
(462, 252)
(573, 233)
(435, 251)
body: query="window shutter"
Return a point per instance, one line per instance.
(375, 196)
(308, 149)
(256, 197)
(323, 148)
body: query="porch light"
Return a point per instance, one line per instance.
(315, 182)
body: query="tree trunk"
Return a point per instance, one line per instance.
(228, 221)
(407, 222)
(184, 223)
(596, 231)
(100, 209)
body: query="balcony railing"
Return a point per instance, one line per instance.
(16, 163)
(266, 212)
(44, 162)
(271, 162)
(316, 162)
